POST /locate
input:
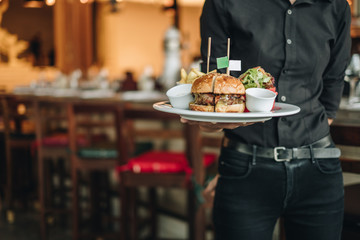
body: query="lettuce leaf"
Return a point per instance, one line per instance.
(255, 78)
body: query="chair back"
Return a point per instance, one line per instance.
(100, 125)
(167, 133)
(17, 134)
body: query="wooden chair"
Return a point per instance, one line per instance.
(92, 166)
(164, 168)
(17, 147)
(53, 164)
(347, 138)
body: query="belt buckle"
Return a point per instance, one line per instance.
(276, 154)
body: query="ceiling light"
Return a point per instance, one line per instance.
(33, 3)
(50, 2)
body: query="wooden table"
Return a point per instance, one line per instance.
(68, 103)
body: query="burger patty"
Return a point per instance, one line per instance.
(229, 99)
(209, 99)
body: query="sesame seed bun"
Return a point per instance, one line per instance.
(204, 83)
(225, 84)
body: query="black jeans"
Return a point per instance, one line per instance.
(251, 196)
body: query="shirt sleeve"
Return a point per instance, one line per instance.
(214, 24)
(333, 78)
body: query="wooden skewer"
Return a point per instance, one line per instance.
(208, 54)
(228, 55)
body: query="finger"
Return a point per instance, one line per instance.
(207, 128)
(209, 188)
(183, 120)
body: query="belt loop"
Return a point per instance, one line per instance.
(312, 153)
(254, 155)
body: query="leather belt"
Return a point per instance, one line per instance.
(315, 150)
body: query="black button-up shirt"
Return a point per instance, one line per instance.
(305, 46)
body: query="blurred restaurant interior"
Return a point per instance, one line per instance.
(78, 79)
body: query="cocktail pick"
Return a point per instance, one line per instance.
(228, 56)
(208, 54)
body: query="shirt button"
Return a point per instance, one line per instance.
(283, 98)
(288, 41)
(289, 12)
(284, 71)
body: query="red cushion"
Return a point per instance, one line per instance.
(209, 159)
(58, 140)
(61, 140)
(162, 162)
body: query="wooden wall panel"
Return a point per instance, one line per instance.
(73, 25)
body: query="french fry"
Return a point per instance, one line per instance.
(197, 72)
(183, 76)
(191, 77)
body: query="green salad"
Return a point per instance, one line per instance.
(257, 78)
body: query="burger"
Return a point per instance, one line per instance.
(215, 92)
